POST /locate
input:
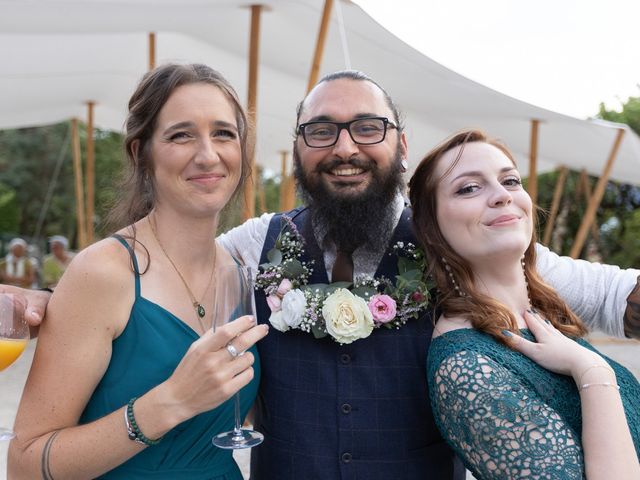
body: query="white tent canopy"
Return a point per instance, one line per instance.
(55, 55)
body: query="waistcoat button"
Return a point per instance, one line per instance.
(345, 358)
(346, 457)
(346, 408)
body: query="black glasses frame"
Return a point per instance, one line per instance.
(346, 126)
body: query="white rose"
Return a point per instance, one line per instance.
(347, 317)
(293, 306)
(277, 321)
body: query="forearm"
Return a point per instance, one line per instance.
(597, 293)
(90, 450)
(632, 313)
(79, 452)
(608, 447)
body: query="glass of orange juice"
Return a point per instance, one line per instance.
(14, 335)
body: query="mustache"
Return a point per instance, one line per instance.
(354, 162)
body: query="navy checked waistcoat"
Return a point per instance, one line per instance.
(346, 412)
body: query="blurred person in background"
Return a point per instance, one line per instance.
(16, 268)
(54, 264)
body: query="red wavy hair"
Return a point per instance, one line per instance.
(484, 312)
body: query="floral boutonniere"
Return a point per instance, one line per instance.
(346, 312)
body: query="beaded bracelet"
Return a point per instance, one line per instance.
(132, 427)
(603, 384)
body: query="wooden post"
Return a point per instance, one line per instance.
(91, 169)
(555, 205)
(590, 214)
(77, 175)
(284, 180)
(586, 191)
(254, 48)
(532, 185)
(152, 50)
(290, 187)
(320, 43)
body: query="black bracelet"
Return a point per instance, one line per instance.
(46, 289)
(132, 427)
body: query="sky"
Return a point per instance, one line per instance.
(563, 55)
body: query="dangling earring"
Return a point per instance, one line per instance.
(526, 283)
(404, 165)
(447, 267)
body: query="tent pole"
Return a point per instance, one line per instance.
(290, 194)
(90, 178)
(532, 185)
(555, 204)
(284, 179)
(254, 49)
(590, 214)
(77, 175)
(586, 191)
(152, 50)
(320, 43)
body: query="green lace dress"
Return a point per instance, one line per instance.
(506, 416)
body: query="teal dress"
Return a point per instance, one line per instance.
(143, 356)
(506, 416)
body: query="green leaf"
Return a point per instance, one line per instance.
(292, 269)
(335, 286)
(317, 332)
(274, 256)
(364, 292)
(322, 287)
(411, 275)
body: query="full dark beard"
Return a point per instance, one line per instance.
(364, 219)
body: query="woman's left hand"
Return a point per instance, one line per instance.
(553, 350)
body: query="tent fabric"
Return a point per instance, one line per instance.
(58, 54)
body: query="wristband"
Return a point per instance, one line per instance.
(132, 427)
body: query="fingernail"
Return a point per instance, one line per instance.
(507, 333)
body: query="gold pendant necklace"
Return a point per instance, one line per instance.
(199, 308)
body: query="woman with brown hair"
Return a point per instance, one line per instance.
(129, 380)
(514, 389)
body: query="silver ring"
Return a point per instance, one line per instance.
(232, 351)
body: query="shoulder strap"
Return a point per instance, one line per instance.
(134, 260)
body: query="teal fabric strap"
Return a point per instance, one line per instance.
(132, 427)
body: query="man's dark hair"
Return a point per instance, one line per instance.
(357, 76)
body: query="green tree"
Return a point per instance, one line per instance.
(629, 113)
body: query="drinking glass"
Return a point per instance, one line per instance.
(14, 335)
(234, 299)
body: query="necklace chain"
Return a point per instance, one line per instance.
(199, 308)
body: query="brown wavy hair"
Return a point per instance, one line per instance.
(484, 312)
(137, 195)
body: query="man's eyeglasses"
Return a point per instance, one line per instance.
(363, 131)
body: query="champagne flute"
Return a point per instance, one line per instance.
(234, 299)
(14, 335)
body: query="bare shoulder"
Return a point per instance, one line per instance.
(448, 324)
(99, 279)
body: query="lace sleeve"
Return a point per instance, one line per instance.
(498, 426)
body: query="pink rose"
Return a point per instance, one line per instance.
(274, 303)
(284, 287)
(382, 308)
